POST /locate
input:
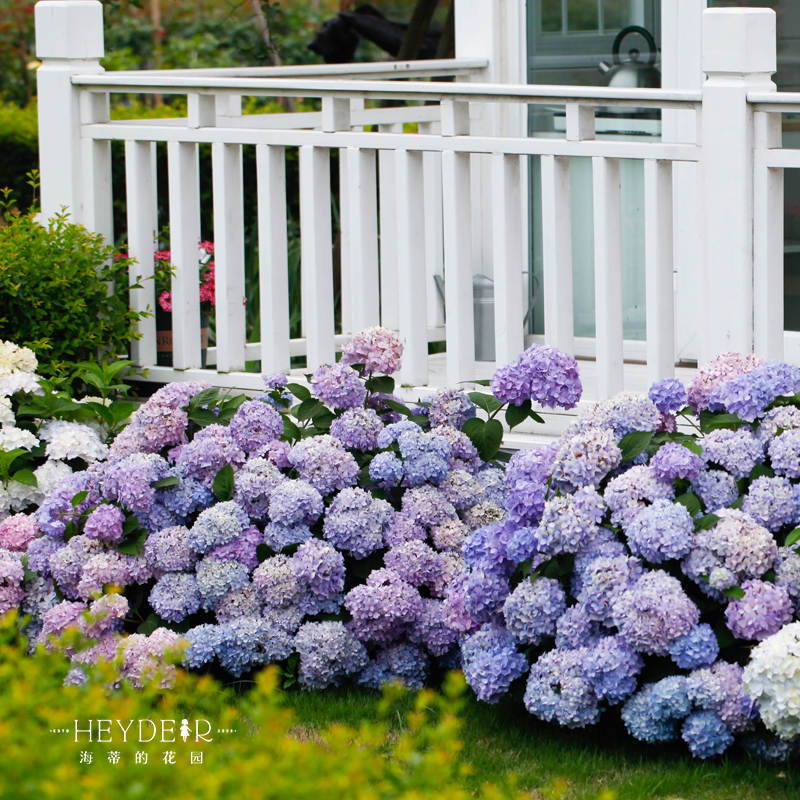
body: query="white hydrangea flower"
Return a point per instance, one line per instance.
(12, 437)
(68, 440)
(5, 503)
(772, 679)
(21, 495)
(19, 382)
(16, 359)
(50, 474)
(6, 414)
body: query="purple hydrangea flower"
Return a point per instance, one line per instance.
(430, 628)
(129, 480)
(541, 374)
(764, 610)
(355, 522)
(676, 461)
(295, 503)
(719, 370)
(242, 548)
(718, 688)
(357, 429)
(533, 608)
(168, 551)
(328, 654)
(491, 662)
(217, 525)
(661, 532)
(771, 502)
(320, 570)
(216, 578)
(399, 663)
(717, 489)
(211, 449)
(586, 458)
(575, 628)
(570, 522)
(175, 596)
(386, 469)
(324, 464)
(706, 734)
(105, 523)
(747, 396)
(736, 451)
(339, 386)
(628, 493)
(611, 668)
(784, 454)
(277, 536)
(654, 612)
(669, 395)
(255, 424)
(450, 407)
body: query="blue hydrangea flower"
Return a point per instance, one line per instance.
(328, 654)
(746, 396)
(642, 724)
(736, 451)
(216, 578)
(661, 532)
(532, 609)
(399, 663)
(784, 454)
(168, 550)
(676, 461)
(706, 734)
(771, 502)
(355, 522)
(717, 489)
(450, 407)
(698, 648)
(217, 525)
(386, 469)
(277, 536)
(491, 662)
(611, 668)
(255, 424)
(295, 503)
(339, 386)
(357, 429)
(175, 596)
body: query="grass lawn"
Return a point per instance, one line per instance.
(503, 739)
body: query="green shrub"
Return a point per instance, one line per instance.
(268, 757)
(19, 149)
(63, 291)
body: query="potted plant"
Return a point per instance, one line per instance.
(163, 274)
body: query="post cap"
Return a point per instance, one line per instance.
(69, 29)
(739, 40)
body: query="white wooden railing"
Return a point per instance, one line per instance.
(413, 203)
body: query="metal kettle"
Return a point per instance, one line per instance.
(632, 73)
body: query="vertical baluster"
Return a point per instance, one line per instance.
(230, 313)
(607, 276)
(557, 253)
(508, 261)
(767, 242)
(97, 213)
(388, 235)
(316, 258)
(660, 300)
(273, 264)
(361, 179)
(458, 267)
(184, 229)
(411, 267)
(346, 214)
(140, 160)
(434, 246)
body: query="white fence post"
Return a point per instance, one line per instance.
(69, 41)
(738, 56)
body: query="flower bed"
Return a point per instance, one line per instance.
(337, 531)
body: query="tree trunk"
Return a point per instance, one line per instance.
(274, 58)
(417, 28)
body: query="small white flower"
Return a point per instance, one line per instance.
(19, 382)
(16, 359)
(68, 440)
(21, 495)
(12, 438)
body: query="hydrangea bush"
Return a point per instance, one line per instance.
(639, 564)
(320, 528)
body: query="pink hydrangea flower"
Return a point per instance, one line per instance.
(378, 349)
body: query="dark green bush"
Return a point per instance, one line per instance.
(54, 291)
(19, 149)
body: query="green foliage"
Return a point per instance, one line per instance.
(266, 757)
(19, 149)
(62, 292)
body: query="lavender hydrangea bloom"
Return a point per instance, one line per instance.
(621, 414)
(786, 566)
(416, 563)
(202, 649)
(328, 654)
(105, 523)
(784, 454)
(654, 612)
(462, 489)
(277, 536)
(661, 532)
(736, 544)
(601, 581)
(216, 578)
(129, 481)
(771, 502)
(764, 610)
(386, 469)
(485, 591)
(558, 690)
(586, 458)
(399, 663)
(431, 630)
(491, 663)
(611, 668)
(450, 407)
(747, 396)
(320, 570)
(355, 522)
(175, 596)
(542, 374)
(719, 688)
(217, 525)
(57, 510)
(532, 609)
(782, 378)
(277, 582)
(185, 498)
(241, 549)
(736, 451)
(706, 734)
(324, 464)
(357, 429)
(669, 395)
(717, 489)
(698, 648)
(168, 551)
(525, 502)
(575, 628)
(628, 493)
(211, 449)
(383, 608)
(249, 642)
(669, 698)
(427, 506)
(570, 522)
(676, 461)
(253, 487)
(377, 349)
(255, 424)
(339, 386)
(39, 552)
(295, 503)
(719, 370)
